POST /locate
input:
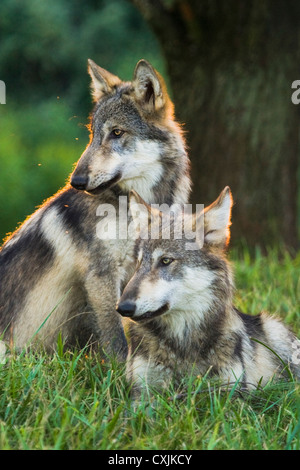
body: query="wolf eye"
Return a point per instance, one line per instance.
(116, 133)
(166, 261)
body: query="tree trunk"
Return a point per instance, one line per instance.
(231, 65)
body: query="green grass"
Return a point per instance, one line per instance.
(73, 400)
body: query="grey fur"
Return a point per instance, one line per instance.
(182, 318)
(55, 262)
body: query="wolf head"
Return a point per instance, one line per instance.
(169, 278)
(134, 137)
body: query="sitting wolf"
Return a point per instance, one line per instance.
(180, 307)
(55, 270)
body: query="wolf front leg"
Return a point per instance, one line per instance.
(102, 295)
(146, 376)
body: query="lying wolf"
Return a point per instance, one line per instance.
(56, 270)
(180, 308)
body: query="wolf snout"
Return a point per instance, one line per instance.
(126, 308)
(79, 182)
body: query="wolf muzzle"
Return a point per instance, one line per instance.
(79, 182)
(126, 308)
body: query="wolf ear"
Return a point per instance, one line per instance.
(135, 198)
(139, 208)
(150, 89)
(143, 216)
(217, 220)
(103, 81)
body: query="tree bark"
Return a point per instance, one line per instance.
(231, 65)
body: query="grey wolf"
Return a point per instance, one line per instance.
(180, 313)
(54, 269)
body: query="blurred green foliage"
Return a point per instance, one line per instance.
(44, 47)
(37, 150)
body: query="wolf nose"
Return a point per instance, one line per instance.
(126, 308)
(79, 182)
